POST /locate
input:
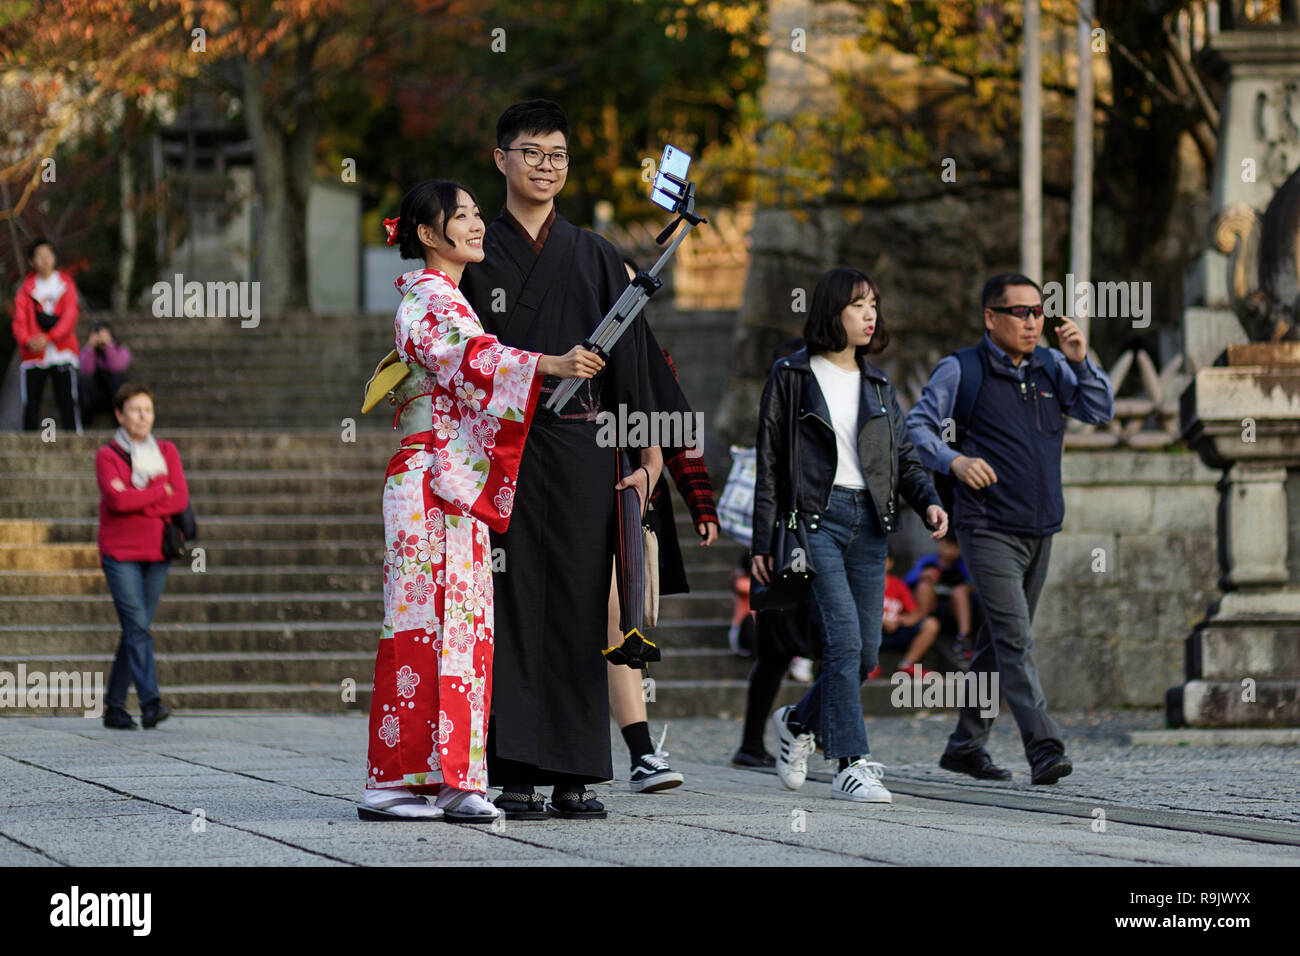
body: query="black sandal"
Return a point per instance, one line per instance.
(574, 804)
(519, 804)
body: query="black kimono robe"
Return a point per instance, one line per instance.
(550, 699)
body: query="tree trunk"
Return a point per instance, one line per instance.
(126, 229)
(284, 160)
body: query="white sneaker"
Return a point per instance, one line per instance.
(793, 752)
(860, 782)
(801, 670)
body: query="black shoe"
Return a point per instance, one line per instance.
(978, 764)
(521, 803)
(119, 719)
(651, 773)
(1051, 767)
(749, 761)
(572, 804)
(154, 714)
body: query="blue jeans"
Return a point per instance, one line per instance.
(848, 553)
(136, 587)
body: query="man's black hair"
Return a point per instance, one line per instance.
(996, 286)
(422, 205)
(533, 118)
(823, 330)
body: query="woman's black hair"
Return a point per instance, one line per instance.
(36, 244)
(422, 205)
(824, 331)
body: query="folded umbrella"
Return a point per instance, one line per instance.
(629, 577)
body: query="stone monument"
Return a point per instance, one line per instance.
(1241, 412)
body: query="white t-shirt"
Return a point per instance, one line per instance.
(47, 293)
(842, 390)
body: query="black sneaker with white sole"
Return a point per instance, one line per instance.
(651, 772)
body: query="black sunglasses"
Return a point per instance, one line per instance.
(1019, 311)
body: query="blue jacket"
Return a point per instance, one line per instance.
(1017, 425)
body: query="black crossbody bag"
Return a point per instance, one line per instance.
(792, 569)
(177, 529)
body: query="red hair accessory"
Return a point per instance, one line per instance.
(390, 227)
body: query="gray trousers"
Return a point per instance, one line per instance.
(1008, 571)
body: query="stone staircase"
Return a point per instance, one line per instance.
(281, 603)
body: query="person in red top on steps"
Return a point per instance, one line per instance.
(140, 483)
(45, 328)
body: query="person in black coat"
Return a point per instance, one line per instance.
(854, 459)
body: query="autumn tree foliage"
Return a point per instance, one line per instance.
(397, 91)
(70, 64)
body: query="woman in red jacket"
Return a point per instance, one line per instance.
(140, 483)
(45, 328)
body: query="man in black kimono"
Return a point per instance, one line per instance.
(544, 282)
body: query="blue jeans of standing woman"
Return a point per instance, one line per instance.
(136, 587)
(848, 553)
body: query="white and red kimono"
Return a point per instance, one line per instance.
(465, 411)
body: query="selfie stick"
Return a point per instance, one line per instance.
(638, 292)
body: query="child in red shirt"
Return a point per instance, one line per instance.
(904, 625)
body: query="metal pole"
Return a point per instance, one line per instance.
(1081, 201)
(1031, 147)
(618, 319)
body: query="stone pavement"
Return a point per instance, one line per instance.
(279, 790)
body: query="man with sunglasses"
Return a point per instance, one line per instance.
(1005, 455)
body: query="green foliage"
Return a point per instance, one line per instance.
(631, 76)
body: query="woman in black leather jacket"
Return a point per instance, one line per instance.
(854, 462)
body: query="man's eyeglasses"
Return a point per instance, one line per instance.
(1019, 311)
(533, 156)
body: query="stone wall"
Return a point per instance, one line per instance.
(1115, 637)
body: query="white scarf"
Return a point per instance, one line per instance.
(146, 460)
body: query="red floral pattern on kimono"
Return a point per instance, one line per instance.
(468, 403)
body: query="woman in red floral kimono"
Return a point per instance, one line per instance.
(464, 412)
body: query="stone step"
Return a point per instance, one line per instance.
(47, 611)
(325, 508)
(276, 556)
(247, 528)
(202, 461)
(214, 582)
(228, 439)
(326, 667)
(324, 451)
(233, 412)
(82, 486)
(193, 608)
(47, 557)
(241, 541)
(202, 637)
(133, 320)
(311, 667)
(217, 581)
(296, 698)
